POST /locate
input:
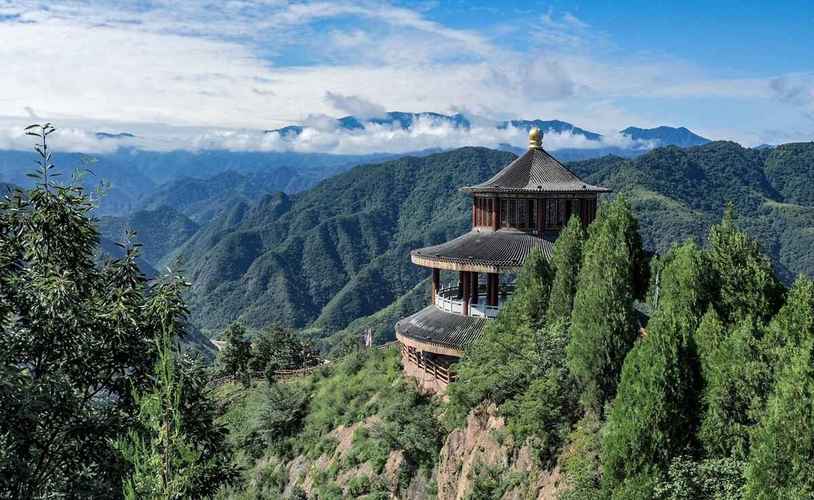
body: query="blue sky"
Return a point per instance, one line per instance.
(216, 74)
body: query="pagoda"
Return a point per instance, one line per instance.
(523, 207)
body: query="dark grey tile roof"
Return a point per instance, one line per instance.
(535, 171)
(434, 326)
(502, 248)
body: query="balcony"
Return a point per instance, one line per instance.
(447, 299)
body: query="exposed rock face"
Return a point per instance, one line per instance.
(400, 479)
(483, 447)
(484, 444)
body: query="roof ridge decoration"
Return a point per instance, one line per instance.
(535, 171)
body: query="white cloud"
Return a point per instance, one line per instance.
(207, 73)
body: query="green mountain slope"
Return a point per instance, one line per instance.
(336, 252)
(160, 231)
(677, 193)
(340, 251)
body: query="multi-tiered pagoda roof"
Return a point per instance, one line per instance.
(520, 209)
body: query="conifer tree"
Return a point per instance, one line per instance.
(498, 366)
(236, 355)
(781, 463)
(737, 380)
(603, 322)
(793, 324)
(653, 416)
(748, 286)
(565, 264)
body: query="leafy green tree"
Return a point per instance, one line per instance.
(75, 339)
(713, 479)
(565, 263)
(781, 463)
(506, 358)
(748, 286)
(282, 415)
(603, 322)
(653, 416)
(581, 467)
(279, 348)
(235, 357)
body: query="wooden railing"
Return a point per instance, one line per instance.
(437, 371)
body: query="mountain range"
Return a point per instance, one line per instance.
(649, 138)
(335, 257)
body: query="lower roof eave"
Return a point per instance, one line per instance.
(449, 265)
(429, 346)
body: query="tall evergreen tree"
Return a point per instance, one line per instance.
(652, 418)
(499, 365)
(565, 263)
(737, 380)
(748, 286)
(603, 322)
(781, 463)
(793, 324)
(782, 452)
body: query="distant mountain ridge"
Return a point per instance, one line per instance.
(666, 136)
(651, 137)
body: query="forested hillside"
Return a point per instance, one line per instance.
(336, 252)
(340, 251)
(677, 193)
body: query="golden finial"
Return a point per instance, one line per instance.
(535, 138)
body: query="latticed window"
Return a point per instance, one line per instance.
(504, 213)
(513, 213)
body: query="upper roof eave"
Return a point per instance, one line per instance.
(497, 190)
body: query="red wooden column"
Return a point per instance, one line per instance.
(436, 282)
(491, 289)
(495, 213)
(474, 288)
(467, 284)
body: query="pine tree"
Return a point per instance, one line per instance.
(603, 322)
(781, 463)
(499, 365)
(236, 354)
(653, 416)
(565, 263)
(748, 286)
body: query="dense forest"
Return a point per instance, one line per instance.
(610, 374)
